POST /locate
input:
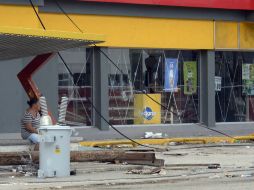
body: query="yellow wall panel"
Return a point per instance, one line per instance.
(18, 16)
(246, 35)
(138, 32)
(226, 35)
(53, 21)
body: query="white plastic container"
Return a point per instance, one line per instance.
(54, 151)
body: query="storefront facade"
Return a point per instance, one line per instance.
(206, 48)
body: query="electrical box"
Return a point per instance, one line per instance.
(54, 151)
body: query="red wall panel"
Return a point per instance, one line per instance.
(221, 4)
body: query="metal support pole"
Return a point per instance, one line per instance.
(100, 89)
(207, 85)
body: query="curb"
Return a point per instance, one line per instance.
(199, 140)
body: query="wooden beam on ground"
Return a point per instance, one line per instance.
(142, 158)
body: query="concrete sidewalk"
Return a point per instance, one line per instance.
(172, 131)
(186, 168)
(137, 132)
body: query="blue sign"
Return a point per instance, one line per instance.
(148, 113)
(171, 75)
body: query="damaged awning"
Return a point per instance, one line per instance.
(23, 42)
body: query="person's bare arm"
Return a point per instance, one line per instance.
(29, 127)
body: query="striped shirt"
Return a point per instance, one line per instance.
(29, 118)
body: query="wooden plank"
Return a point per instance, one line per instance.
(101, 156)
(155, 163)
(20, 158)
(138, 156)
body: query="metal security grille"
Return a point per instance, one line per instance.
(122, 91)
(79, 88)
(232, 104)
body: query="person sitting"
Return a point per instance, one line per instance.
(31, 122)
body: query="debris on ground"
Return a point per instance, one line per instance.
(114, 156)
(147, 171)
(231, 175)
(214, 166)
(152, 135)
(175, 143)
(183, 166)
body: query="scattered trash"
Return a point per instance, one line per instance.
(231, 175)
(176, 154)
(172, 143)
(73, 172)
(176, 143)
(28, 174)
(26, 170)
(214, 166)
(152, 135)
(123, 146)
(146, 171)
